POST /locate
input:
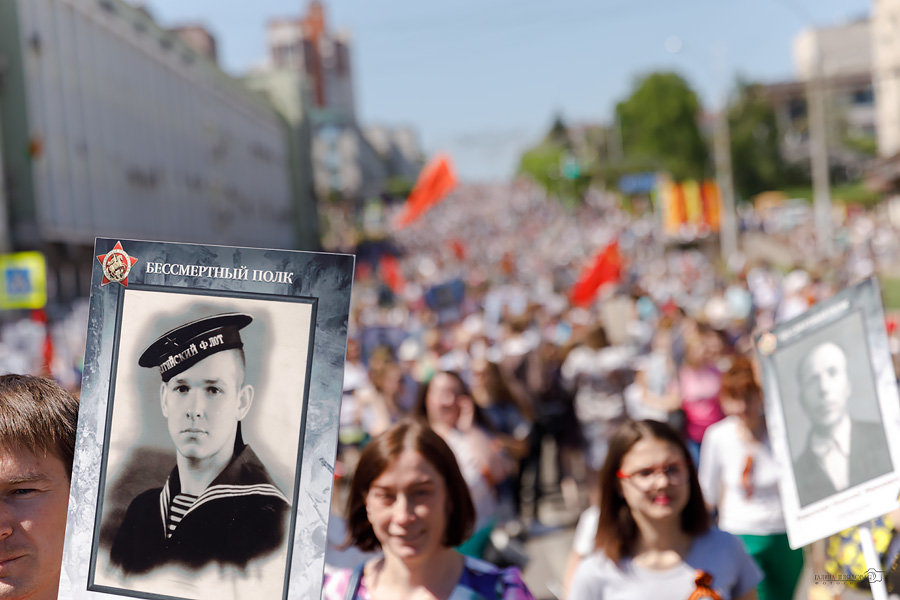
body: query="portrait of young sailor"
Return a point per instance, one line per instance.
(219, 505)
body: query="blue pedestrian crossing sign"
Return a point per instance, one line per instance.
(23, 280)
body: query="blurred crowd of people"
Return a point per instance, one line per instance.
(48, 343)
(466, 322)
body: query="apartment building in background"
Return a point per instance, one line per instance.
(113, 126)
(350, 161)
(839, 59)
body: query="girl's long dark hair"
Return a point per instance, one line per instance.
(617, 531)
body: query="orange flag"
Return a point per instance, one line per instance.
(435, 181)
(605, 269)
(693, 203)
(712, 204)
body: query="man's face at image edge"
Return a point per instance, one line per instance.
(34, 496)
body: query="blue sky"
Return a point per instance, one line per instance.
(482, 79)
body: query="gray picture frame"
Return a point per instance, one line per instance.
(300, 302)
(849, 326)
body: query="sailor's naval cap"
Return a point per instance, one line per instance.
(181, 348)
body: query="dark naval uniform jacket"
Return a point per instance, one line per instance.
(241, 516)
(868, 459)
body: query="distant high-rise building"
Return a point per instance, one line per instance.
(346, 160)
(398, 148)
(834, 51)
(199, 39)
(839, 59)
(322, 55)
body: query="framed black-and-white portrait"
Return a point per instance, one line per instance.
(208, 422)
(833, 413)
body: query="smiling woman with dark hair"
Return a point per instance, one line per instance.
(409, 500)
(654, 538)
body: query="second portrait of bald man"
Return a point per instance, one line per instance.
(841, 448)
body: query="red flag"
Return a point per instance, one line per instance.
(40, 316)
(458, 248)
(363, 271)
(605, 269)
(435, 181)
(390, 273)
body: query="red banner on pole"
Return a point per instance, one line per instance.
(391, 274)
(435, 181)
(605, 269)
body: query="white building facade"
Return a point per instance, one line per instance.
(133, 134)
(886, 73)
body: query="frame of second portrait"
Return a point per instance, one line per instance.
(851, 324)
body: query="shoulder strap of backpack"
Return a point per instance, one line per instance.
(353, 584)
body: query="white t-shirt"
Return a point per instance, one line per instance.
(723, 457)
(718, 553)
(483, 495)
(586, 531)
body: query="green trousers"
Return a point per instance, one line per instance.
(780, 565)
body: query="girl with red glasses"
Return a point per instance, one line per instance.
(654, 539)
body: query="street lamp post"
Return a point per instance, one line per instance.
(722, 148)
(818, 151)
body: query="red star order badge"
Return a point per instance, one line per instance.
(116, 265)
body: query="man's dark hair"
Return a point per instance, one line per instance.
(37, 415)
(375, 460)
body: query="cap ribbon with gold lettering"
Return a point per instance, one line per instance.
(184, 346)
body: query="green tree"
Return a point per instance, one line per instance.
(541, 164)
(559, 133)
(755, 156)
(659, 127)
(556, 166)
